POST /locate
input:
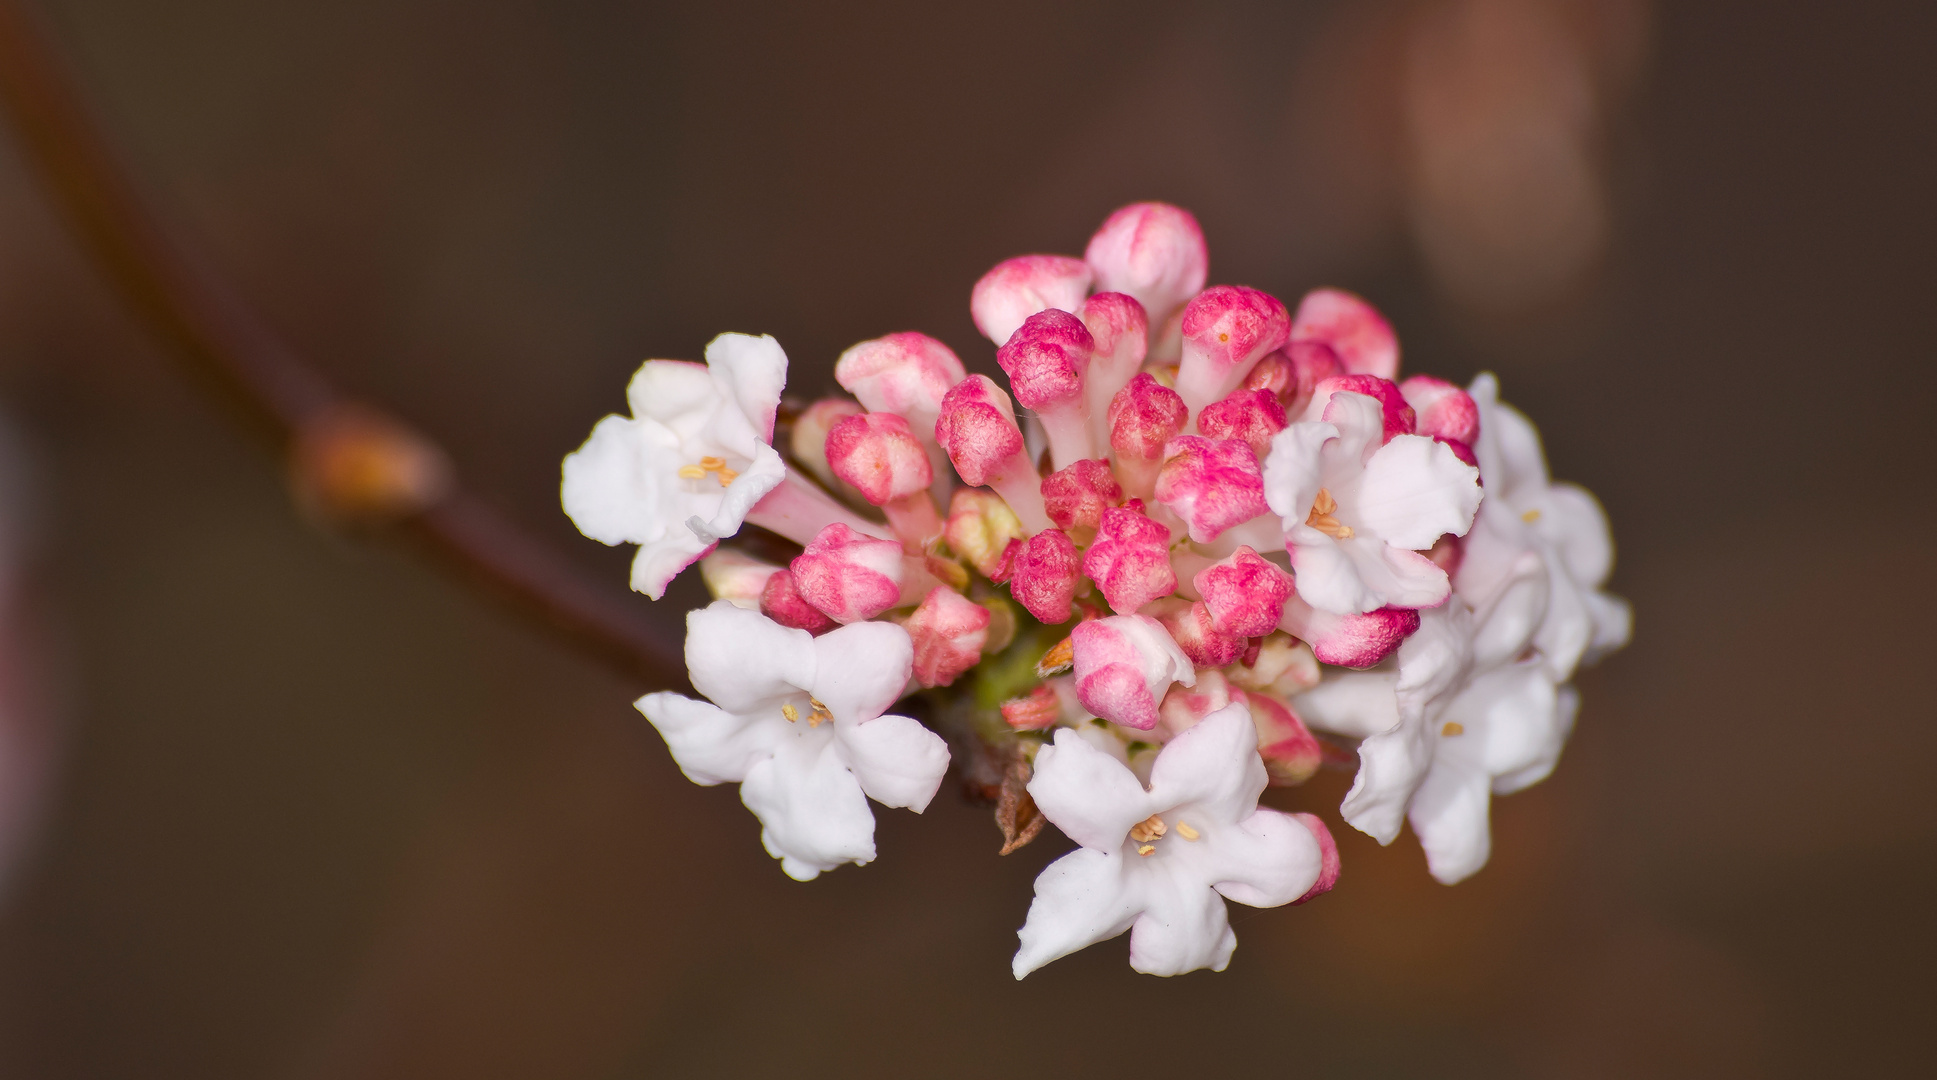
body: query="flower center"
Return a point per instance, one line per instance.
(815, 718)
(1147, 832)
(713, 465)
(1321, 517)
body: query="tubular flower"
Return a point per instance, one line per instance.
(797, 721)
(1358, 508)
(1214, 523)
(1160, 862)
(687, 466)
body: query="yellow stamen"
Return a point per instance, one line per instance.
(787, 710)
(1060, 658)
(820, 715)
(691, 472)
(1150, 828)
(1453, 728)
(712, 464)
(726, 476)
(1184, 830)
(1145, 849)
(1321, 517)
(1531, 516)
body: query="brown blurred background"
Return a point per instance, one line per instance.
(308, 810)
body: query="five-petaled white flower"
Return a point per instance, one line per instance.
(691, 461)
(797, 721)
(1357, 513)
(1160, 862)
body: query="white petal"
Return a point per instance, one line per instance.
(1214, 766)
(677, 393)
(1432, 666)
(861, 669)
(1081, 899)
(1449, 814)
(1508, 622)
(1567, 703)
(814, 813)
(1572, 520)
(1613, 624)
(1091, 796)
(1414, 491)
(711, 745)
(1327, 576)
(1266, 860)
(1183, 927)
(658, 562)
(898, 761)
(1393, 576)
(1509, 448)
(745, 661)
(1360, 420)
(1292, 470)
(1391, 765)
(763, 473)
(753, 372)
(610, 488)
(1358, 704)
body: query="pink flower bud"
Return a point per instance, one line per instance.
(1312, 362)
(1274, 374)
(879, 455)
(1213, 484)
(905, 373)
(1043, 575)
(948, 631)
(1046, 359)
(736, 577)
(1251, 417)
(848, 576)
(1144, 416)
(782, 603)
(1227, 329)
(978, 429)
(1153, 251)
(1291, 753)
(809, 441)
(1184, 706)
(980, 526)
(1038, 710)
(1123, 664)
(1189, 623)
(1445, 412)
(1077, 496)
(1130, 559)
(1354, 641)
(1018, 288)
(1399, 417)
(1117, 326)
(1353, 328)
(1327, 854)
(1245, 593)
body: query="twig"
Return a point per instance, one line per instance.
(350, 461)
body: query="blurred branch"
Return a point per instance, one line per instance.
(350, 461)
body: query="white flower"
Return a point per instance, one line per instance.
(1357, 513)
(1160, 862)
(797, 721)
(689, 464)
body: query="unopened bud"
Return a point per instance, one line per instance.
(1144, 416)
(1018, 288)
(1244, 593)
(1038, 710)
(1189, 623)
(1043, 575)
(1184, 706)
(849, 576)
(736, 577)
(1353, 328)
(782, 602)
(1251, 417)
(1227, 329)
(1398, 417)
(1130, 559)
(1213, 484)
(1445, 412)
(808, 443)
(1117, 325)
(1153, 251)
(1077, 496)
(1354, 641)
(905, 373)
(1046, 359)
(978, 430)
(1123, 666)
(879, 455)
(948, 631)
(980, 526)
(1291, 754)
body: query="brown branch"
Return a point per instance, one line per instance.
(350, 461)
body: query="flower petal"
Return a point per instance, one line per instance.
(1081, 899)
(898, 761)
(1293, 469)
(1184, 926)
(752, 371)
(1356, 704)
(711, 745)
(745, 661)
(1449, 814)
(1414, 491)
(814, 815)
(861, 669)
(1266, 860)
(1091, 796)
(1327, 576)
(1213, 766)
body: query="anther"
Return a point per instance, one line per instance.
(1321, 517)
(1184, 830)
(1453, 727)
(1060, 658)
(787, 710)
(1531, 516)
(1145, 849)
(727, 476)
(712, 464)
(1150, 828)
(691, 472)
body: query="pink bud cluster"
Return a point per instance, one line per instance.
(1115, 492)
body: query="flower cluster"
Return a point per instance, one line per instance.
(1201, 544)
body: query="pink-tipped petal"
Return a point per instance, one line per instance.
(980, 525)
(977, 427)
(878, 453)
(1445, 412)
(1018, 288)
(1144, 416)
(782, 603)
(1130, 559)
(1227, 329)
(1077, 496)
(808, 442)
(1291, 753)
(1251, 417)
(1123, 664)
(1043, 575)
(1328, 858)
(848, 576)
(948, 631)
(1153, 251)
(1353, 328)
(1354, 641)
(1185, 706)
(1213, 484)
(905, 373)
(1398, 416)
(1244, 593)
